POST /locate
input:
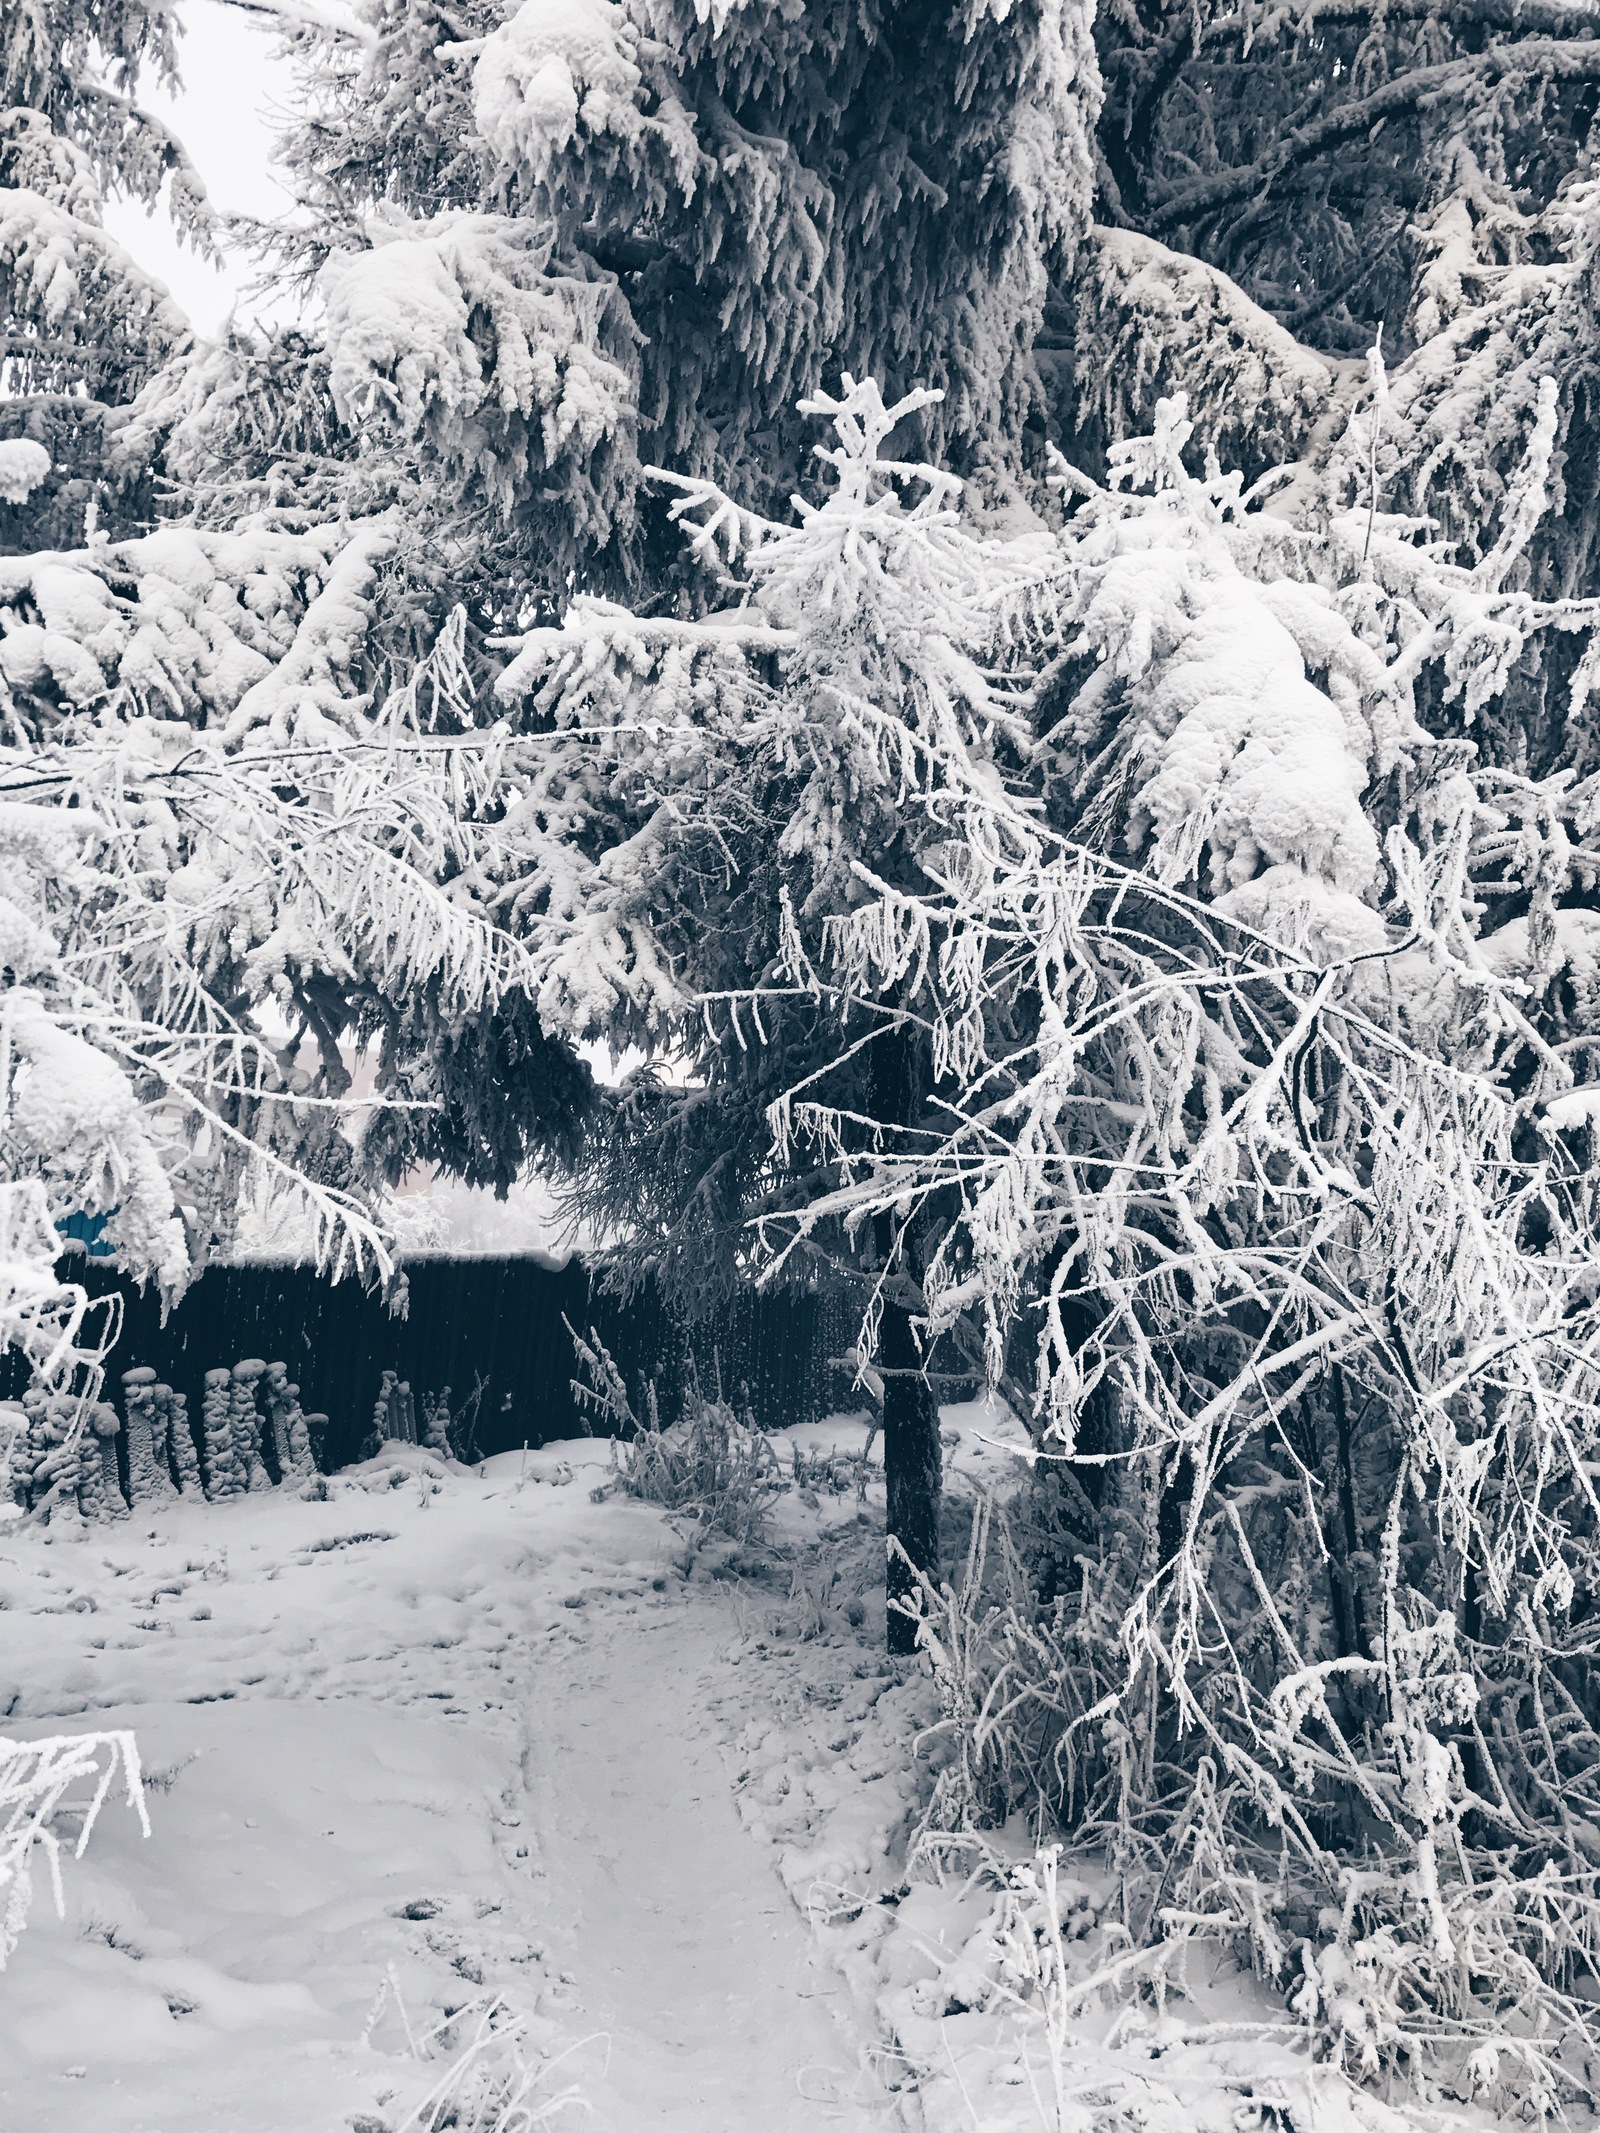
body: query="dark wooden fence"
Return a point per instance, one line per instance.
(499, 1319)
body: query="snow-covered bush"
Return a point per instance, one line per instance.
(181, 1446)
(149, 1475)
(245, 1420)
(291, 1439)
(224, 1476)
(63, 1460)
(495, 2082)
(712, 1464)
(394, 1414)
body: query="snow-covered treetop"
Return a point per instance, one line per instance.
(764, 187)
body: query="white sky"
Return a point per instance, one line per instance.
(232, 87)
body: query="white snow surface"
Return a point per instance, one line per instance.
(474, 1696)
(447, 1734)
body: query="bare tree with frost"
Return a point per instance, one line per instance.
(1172, 1021)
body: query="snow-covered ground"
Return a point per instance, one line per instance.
(458, 1730)
(453, 1737)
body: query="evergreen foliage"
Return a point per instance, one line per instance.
(1113, 886)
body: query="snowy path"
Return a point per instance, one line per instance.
(456, 1733)
(480, 1740)
(687, 1949)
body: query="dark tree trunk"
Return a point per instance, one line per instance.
(911, 1461)
(1350, 1623)
(911, 1469)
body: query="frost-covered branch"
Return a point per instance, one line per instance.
(35, 1779)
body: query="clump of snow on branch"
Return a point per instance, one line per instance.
(551, 64)
(406, 322)
(188, 625)
(1149, 323)
(23, 465)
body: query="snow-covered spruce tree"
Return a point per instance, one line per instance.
(766, 189)
(214, 797)
(551, 240)
(1232, 1048)
(230, 856)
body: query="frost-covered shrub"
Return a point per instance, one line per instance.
(149, 1475)
(245, 1419)
(394, 1413)
(64, 1457)
(399, 1418)
(712, 1464)
(181, 1449)
(437, 1422)
(100, 1443)
(50, 1465)
(290, 1436)
(494, 2081)
(65, 1444)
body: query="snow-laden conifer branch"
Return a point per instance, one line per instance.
(224, 856)
(1558, 58)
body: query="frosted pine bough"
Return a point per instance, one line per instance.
(223, 855)
(1260, 1137)
(202, 816)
